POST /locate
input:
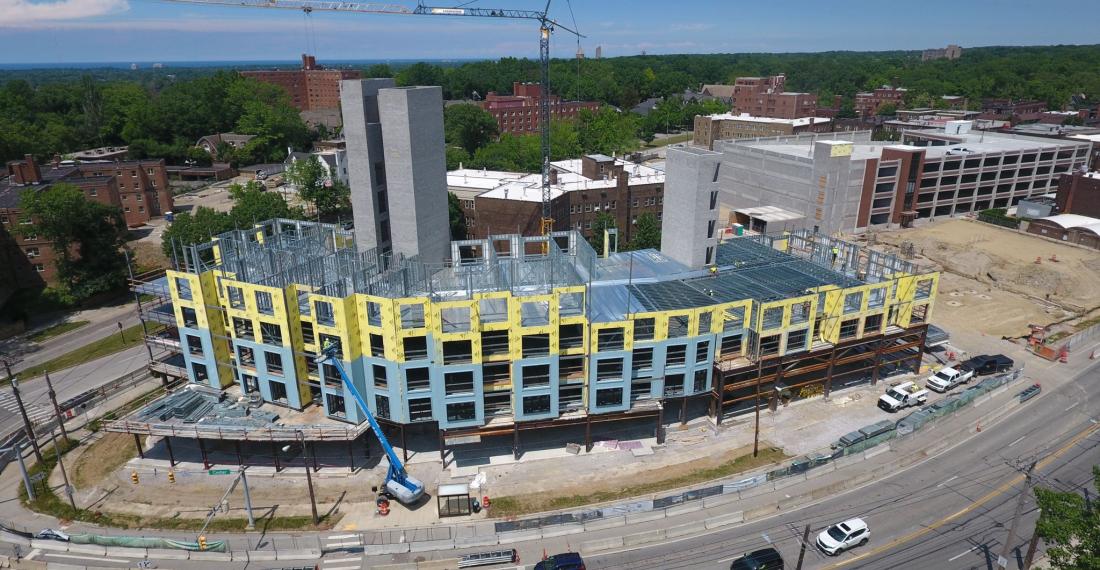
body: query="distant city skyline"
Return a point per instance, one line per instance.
(89, 31)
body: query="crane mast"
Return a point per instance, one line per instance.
(546, 27)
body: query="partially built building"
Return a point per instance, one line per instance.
(517, 333)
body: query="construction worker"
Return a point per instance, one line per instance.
(836, 253)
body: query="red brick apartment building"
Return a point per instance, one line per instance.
(311, 88)
(868, 103)
(518, 113)
(1079, 193)
(581, 189)
(138, 187)
(765, 97)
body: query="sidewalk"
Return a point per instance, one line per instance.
(102, 322)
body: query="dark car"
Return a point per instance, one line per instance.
(766, 559)
(563, 561)
(986, 364)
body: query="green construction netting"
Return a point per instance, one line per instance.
(145, 542)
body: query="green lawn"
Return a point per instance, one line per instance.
(683, 137)
(108, 345)
(56, 330)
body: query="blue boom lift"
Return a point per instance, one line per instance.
(404, 487)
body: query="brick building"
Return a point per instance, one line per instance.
(509, 202)
(1072, 228)
(139, 188)
(765, 97)
(518, 113)
(311, 88)
(868, 103)
(1079, 193)
(950, 52)
(710, 128)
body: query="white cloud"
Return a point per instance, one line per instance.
(23, 12)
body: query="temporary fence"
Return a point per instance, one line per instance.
(147, 542)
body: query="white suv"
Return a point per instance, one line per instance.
(842, 536)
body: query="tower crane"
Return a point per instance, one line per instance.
(546, 27)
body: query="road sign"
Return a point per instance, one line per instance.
(219, 472)
(1002, 562)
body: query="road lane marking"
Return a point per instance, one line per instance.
(1005, 487)
(333, 536)
(74, 557)
(947, 481)
(1071, 407)
(1021, 438)
(352, 559)
(958, 556)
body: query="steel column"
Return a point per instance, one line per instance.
(587, 434)
(275, 455)
(137, 444)
(515, 441)
(202, 450)
(171, 456)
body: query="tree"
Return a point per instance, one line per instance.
(457, 217)
(86, 236)
(468, 126)
(603, 221)
(456, 157)
(647, 232)
(329, 197)
(190, 228)
(378, 70)
(1070, 525)
(847, 109)
(887, 110)
(606, 131)
(252, 204)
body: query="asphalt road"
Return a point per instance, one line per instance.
(951, 512)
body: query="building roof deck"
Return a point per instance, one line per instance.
(321, 258)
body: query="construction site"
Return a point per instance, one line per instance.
(1001, 282)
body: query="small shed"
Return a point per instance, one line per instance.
(453, 500)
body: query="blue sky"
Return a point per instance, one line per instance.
(57, 31)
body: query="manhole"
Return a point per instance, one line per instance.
(972, 292)
(956, 294)
(984, 296)
(954, 303)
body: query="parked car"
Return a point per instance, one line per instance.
(947, 378)
(52, 534)
(563, 561)
(986, 364)
(766, 559)
(842, 536)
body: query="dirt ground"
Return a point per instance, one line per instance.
(101, 459)
(991, 282)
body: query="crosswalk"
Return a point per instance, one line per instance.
(36, 412)
(346, 562)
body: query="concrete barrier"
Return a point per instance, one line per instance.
(475, 541)
(301, 554)
(443, 564)
(519, 536)
(52, 545)
(644, 516)
(169, 554)
(609, 522)
(685, 529)
(261, 555)
(828, 490)
(210, 556)
(795, 500)
(372, 549)
(760, 512)
(789, 482)
(125, 552)
(644, 537)
(93, 549)
(719, 500)
(405, 566)
(877, 450)
(725, 520)
(684, 508)
(847, 460)
(562, 530)
(820, 471)
(432, 545)
(757, 490)
(602, 544)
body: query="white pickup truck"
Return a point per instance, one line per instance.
(948, 378)
(902, 396)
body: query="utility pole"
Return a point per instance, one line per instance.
(23, 471)
(1002, 561)
(57, 409)
(802, 550)
(64, 475)
(247, 500)
(1032, 546)
(309, 478)
(23, 412)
